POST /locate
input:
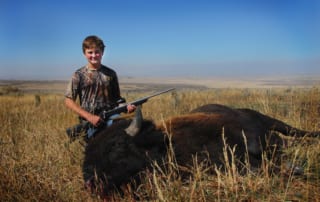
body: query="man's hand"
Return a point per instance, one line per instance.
(131, 108)
(94, 120)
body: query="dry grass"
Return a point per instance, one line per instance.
(38, 163)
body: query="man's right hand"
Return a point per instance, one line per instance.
(94, 120)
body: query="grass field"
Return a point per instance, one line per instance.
(38, 163)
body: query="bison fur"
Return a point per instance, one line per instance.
(114, 157)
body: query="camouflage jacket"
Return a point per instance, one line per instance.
(96, 89)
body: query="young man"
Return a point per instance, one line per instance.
(96, 85)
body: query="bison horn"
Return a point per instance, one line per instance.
(136, 122)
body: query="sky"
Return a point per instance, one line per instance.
(160, 38)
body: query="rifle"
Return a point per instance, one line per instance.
(106, 114)
(78, 129)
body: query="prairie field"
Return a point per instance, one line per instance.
(39, 163)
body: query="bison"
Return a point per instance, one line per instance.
(118, 153)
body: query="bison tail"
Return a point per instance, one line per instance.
(294, 132)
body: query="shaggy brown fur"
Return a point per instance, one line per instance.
(115, 157)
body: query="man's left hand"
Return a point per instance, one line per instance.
(131, 108)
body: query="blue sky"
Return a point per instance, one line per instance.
(42, 39)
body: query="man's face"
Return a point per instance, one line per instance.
(93, 55)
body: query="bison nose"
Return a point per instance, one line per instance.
(136, 122)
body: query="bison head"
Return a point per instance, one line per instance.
(118, 153)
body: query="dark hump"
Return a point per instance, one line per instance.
(215, 109)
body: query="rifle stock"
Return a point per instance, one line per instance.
(76, 130)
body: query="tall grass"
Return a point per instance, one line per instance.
(38, 163)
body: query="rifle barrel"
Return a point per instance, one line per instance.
(153, 95)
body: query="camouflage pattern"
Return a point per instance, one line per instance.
(96, 89)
